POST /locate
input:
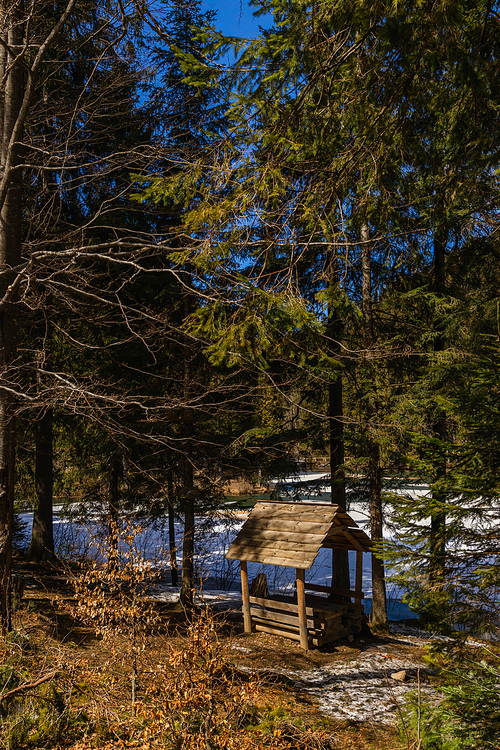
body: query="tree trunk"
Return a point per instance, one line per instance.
(187, 582)
(42, 534)
(174, 573)
(340, 557)
(379, 598)
(437, 538)
(187, 482)
(115, 474)
(10, 256)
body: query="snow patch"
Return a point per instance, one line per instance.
(361, 689)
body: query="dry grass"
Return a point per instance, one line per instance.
(191, 694)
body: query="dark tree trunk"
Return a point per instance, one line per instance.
(437, 540)
(115, 475)
(187, 481)
(42, 535)
(174, 573)
(366, 272)
(187, 582)
(379, 598)
(340, 557)
(187, 499)
(10, 256)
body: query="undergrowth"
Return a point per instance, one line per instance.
(466, 712)
(55, 695)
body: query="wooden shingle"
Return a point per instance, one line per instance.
(291, 534)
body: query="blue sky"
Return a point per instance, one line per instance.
(235, 18)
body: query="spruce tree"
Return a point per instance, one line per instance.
(348, 135)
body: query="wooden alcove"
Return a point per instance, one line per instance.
(291, 534)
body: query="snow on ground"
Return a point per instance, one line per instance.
(362, 689)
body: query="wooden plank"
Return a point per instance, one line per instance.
(277, 631)
(266, 558)
(356, 542)
(362, 537)
(340, 544)
(278, 535)
(316, 640)
(258, 613)
(343, 519)
(318, 509)
(306, 514)
(281, 544)
(298, 507)
(283, 606)
(250, 552)
(319, 603)
(270, 623)
(247, 622)
(246, 552)
(327, 618)
(286, 558)
(305, 527)
(356, 532)
(291, 554)
(321, 640)
(361, 541)
(301, 601)
(298, 553)
(286, 631)
(329, 589)
(336, 532)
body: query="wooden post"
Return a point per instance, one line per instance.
(301, 603)
(245, 595)
(359, 577)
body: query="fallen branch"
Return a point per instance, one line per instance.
(28, 686)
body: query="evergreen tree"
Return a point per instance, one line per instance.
(348, 140)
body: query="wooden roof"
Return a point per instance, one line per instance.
(291, 534)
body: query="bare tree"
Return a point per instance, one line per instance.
(27, 36)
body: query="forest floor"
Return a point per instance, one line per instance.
(345, 695)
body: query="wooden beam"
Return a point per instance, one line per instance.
(280, 605)
(329, 589)
(277, 631)
(293, 507)
(261, 556)
(318, 603)
(245, 595)
(351, 538)
(279, 524)
(274, 616)
(287, 542)
(308, 513)
(301, 601)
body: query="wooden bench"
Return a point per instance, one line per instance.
(326, 620)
